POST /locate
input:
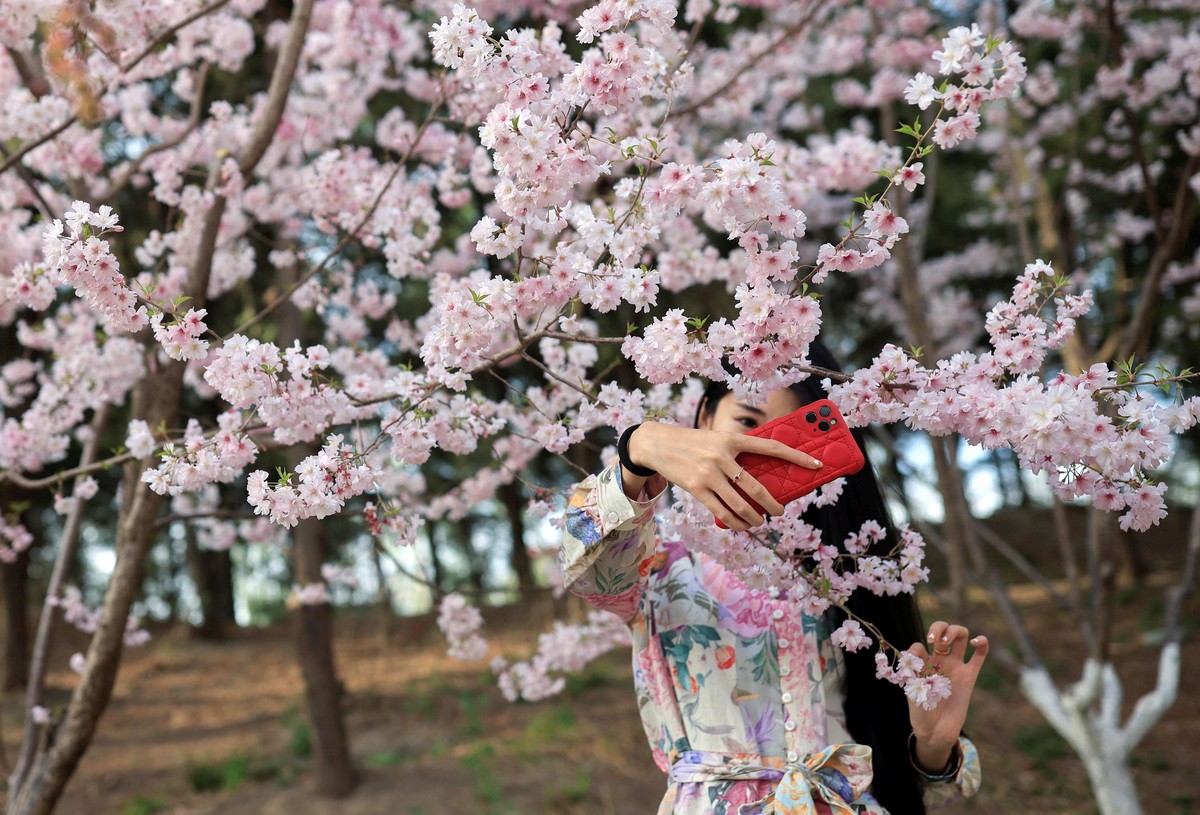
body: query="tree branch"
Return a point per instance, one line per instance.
(279, 89)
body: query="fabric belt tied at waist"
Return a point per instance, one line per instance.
(839, 775)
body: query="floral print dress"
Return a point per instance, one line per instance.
(740, 695)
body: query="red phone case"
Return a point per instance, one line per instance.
(818, 429)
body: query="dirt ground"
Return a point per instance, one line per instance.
(432, 735)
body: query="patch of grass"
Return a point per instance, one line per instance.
(1041, 745)
(597, 674)
(301, 739)
(203, 775)
(143, 805)
(485, 784)
(471, 704)
(385, 758)
(571, 791)
(228, 774)
(422, 704)
(1152, 760)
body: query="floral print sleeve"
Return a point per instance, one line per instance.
(609, 540)
(964, 784)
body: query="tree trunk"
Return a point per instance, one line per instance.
(42, 772)
(212, 574)
(510, 494)
(476, 563)
(44, 767)
(439, 571)
(14, 577)
(313, 626)
(1112, 784)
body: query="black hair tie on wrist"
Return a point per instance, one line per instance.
(948, 773)
(623, 455)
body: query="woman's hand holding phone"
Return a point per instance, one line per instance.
(704, 462)
(818, 429)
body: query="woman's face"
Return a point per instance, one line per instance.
(732, 416)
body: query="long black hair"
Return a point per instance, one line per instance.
(876, 710)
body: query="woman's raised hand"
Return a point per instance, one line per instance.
(703, 462)
(937, 730)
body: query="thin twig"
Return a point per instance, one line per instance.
(193, 122)
(167, 33)
(222, 514)
(351, 234)
(787, 34)
(546, 370)
(52, 480)
(1022, 563)
(424, 581)
(562, 335)
(20, 152)
(31, 183)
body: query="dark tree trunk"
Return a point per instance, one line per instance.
(510, 494)
(323, 692)
(212, 574)
(14, 577)
(465, 528)
(439, 573)
(313, 624)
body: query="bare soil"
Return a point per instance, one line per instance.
(432, 735)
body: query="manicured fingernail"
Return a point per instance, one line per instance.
(945, 638)
(930, 637)
(818, 462)
(975, 641)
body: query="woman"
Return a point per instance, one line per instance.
(747, 705)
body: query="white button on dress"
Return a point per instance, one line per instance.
(787, 697)
(777, 614)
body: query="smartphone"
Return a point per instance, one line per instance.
(818, 429)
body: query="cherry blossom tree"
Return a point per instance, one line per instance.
(294, 253)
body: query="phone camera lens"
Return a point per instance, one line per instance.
(823, 425)
(825, 411)
(833, 422)
(810, 417)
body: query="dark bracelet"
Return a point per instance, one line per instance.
(948, 773)
(623, 455)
